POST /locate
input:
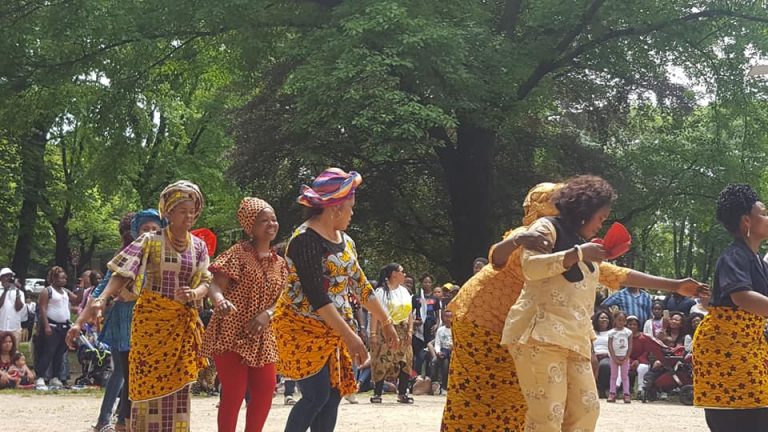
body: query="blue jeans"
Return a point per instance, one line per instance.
(319, 404)
(116, 386)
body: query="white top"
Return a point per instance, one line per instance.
(443, 339)
(396, 302)
(619, 340)
(600, 344)
(58, 306)
(10, 318)
(652, 327)
(698, 308)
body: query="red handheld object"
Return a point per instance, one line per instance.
(616, 242)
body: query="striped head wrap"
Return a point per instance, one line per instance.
(538, 202)
(249, 209)
(331, 187)
(142, 217)
(176, 193)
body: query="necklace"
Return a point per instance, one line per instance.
(178, 245)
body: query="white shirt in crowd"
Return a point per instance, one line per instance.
(10, 318)
(652, 327)
(600, 344)
(443, 339)
(58, 306)
(619, 340)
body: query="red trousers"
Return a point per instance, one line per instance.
(235, 378)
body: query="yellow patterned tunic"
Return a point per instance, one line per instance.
(305, 343)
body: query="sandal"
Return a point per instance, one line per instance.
(103, 428)
(611, 398)
(404, 399)
(627, 399)
(375, 399)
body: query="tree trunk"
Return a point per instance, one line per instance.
(61, 231)
(33, 186)
(468, 166)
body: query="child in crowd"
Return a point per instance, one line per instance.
(441, 349)
(619, 347)
(654, 326)
(21, 370)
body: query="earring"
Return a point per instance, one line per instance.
(748, 232)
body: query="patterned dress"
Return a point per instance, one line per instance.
(165, 335)
(304, 341)
(255, 284)
(485, 393)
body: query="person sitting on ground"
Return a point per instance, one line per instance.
(673, 334)
(654, 325)
(20, 369)
(441, 349)
(643, 347)
(7, 351)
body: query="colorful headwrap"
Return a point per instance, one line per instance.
(250, 207)
(176, 193)
(331, 187)
(538, 202)
(144, 216)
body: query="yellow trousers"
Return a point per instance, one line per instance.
(558, 386)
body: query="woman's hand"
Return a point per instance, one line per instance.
(691, 288)
(224, 307)
(258, 324)
(183, 294)
(390, 335)
(592, 252)
(72, 334)
(356, 347)
(533, 240)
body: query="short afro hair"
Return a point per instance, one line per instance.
(581, 197)
(735, 201)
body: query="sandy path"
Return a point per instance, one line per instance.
(75, 413)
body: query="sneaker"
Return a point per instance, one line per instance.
(40, 384)
(56, 383)
(289, 400)
(351, 399)
(663, 396)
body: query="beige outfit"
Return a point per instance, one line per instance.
(549, 333)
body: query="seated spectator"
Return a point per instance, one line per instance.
(693, 322)
(441, 349)
(602, 322)
(674, 302)
(7, 351)
(643, 348)
(654, 325)
(674, 331)
(21, 370)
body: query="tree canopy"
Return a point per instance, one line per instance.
(450, 110)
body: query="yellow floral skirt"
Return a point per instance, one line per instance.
(729, 360)
(306, 344)
(483, 394)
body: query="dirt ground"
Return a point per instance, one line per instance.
(35, 412)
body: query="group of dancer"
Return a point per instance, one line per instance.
(522, 357)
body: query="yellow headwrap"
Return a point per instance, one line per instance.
(538, 202)
(176, 193)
